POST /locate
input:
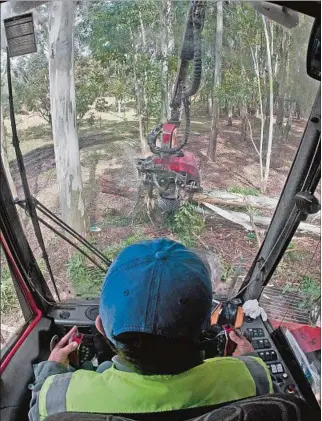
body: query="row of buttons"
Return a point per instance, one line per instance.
(267, 355)
(256, 333)
(276, 368)
(261, 343)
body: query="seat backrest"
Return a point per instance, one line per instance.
(276, 407)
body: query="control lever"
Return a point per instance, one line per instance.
(230, 346)
(81, 353)
(74, 357)
(217, 342)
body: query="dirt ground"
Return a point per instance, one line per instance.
(110, 149)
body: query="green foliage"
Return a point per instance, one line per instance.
(251, 236)
(253, 211)
(246, 191)
(309, 289)
(291, 253)
(186, 224)
(88, 77)
(85, 277)
(9, 301)
(86, 280)
(114, 218)
(227, 270)
(31, 86)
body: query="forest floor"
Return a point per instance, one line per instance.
(109, 148)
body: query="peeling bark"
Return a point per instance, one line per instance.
(63, 111)
(271, 107)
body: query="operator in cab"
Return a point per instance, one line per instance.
(155, 304)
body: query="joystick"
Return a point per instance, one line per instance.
(74, 357)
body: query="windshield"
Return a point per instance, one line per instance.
(83, 117)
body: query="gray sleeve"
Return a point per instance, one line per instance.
(104, 366)
(276, 386)
(41, 372)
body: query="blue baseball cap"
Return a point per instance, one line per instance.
(158, 287)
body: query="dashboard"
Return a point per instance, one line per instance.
(267, 351)
(83, 314)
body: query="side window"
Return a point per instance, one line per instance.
(11, 314)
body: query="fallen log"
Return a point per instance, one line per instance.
(244, 220)
(238, 200)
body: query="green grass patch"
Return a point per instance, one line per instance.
(227, 270)
(291, 253)
(114, 218)
(251, 236)
(186, 224)
(9, 301)
(245, 191)
(41, 131)
(253, 211)
(86, 278)
(309, 289)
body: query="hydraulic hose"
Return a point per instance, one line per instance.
(192, 37)
(198, 20)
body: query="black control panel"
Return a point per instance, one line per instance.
(266, 350)
(82, 313)
(75, 312)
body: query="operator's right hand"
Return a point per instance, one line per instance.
(60, 353)
(243, 345)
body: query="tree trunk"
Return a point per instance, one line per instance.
(144, 85)
(63, 111)
(139, 99)
(271, 106)
(217, 79)
(243, 124)
(288, 125)
(210, 106)
(50, 121)
(282, 82)
(230, 115)
(4, 156)
(164, 44)
(119, 106)
(260, 150)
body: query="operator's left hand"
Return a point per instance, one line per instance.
(243, 345)
(60, 354)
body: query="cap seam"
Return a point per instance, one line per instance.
(147, 315)
(157, 295)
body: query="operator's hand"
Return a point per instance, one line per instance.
(243, 345)
(60, 354)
